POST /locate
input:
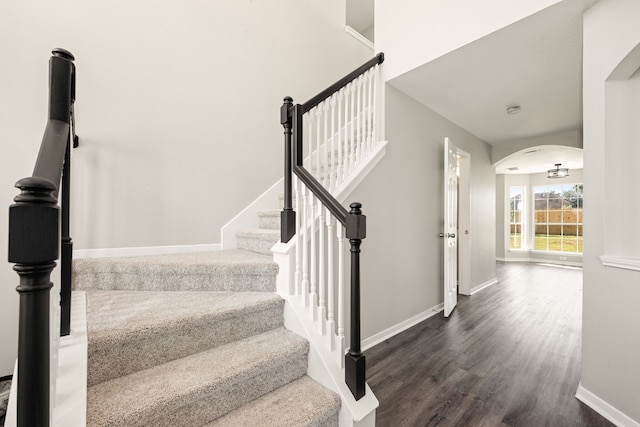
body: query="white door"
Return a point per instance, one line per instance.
(450, 231)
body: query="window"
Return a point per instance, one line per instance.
(516, 209)
(558, 218)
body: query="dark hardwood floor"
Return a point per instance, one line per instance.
(509, 355)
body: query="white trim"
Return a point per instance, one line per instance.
(400, 327)
(71, 387)
(360, 172)
(612, 414)
(558, 253)
(541, 261)
(248, 217)
(322, 368)
(627, 263)
(10, 419)
(484, 285)
(362, 39)
(69, 408)
(464, 223)
(144, 250)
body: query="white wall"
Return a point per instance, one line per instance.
(177, 111)
(502, 216)
(414, 32)
(611, 319)
(402, 255)
(622, 125)
(502, 204)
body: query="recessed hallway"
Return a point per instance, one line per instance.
(508, 355)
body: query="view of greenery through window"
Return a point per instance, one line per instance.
(557, 217)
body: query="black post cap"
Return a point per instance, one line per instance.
(63, 53)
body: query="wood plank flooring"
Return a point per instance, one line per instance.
(509, 355)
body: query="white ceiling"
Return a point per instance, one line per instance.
(535, 63)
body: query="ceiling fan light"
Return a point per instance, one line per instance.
(558, 172)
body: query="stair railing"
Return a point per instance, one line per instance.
(34, 238)
(340, 123)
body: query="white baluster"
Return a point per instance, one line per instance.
(313, 279)
(339, 171)
(375, 103)
(305, 250)
(352, 142)
(340, 338)
(299, 243)
(322, 308)
(330, 291)
(318, 143)
(370, 141)
(325, 146)
(332, 158)
(359, 120)
(311, 117)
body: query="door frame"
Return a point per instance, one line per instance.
(464, 223)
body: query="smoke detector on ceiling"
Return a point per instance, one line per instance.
(514, 109)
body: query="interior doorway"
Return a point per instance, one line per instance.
(456, 232)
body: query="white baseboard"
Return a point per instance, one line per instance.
(541, 261)
(400, 327)
(603, 408)
(144, 250)
(484, 285)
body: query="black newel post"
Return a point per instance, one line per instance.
(66, 260)
(355, 372)
(33, 247)
(288, 215)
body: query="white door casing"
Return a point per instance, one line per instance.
(449, 235)
(464, 223)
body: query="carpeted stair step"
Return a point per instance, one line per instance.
(234, 270)
(301, 403)
(197, 389)
(129, 331)
(269, 219)
(257, 240)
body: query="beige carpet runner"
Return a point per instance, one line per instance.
(196, 340)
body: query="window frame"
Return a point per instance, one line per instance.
(522, 223)
(563, 237)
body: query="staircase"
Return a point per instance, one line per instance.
(197, 340)
(200, 338)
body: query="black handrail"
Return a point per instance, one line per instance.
(353, 220)
(378, 59)
(34, 221)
